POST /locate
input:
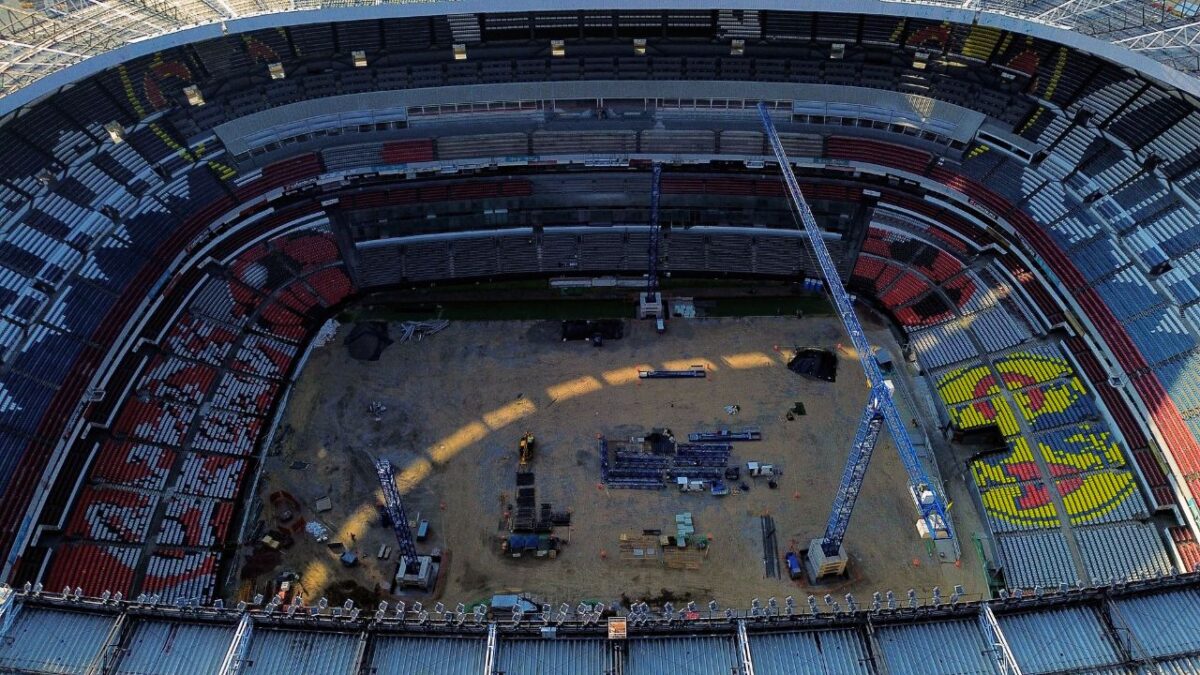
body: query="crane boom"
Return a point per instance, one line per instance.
(880, 409)
(395, 511)
(655, 193)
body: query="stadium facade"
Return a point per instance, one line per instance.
(1141, 628)
(183, 207)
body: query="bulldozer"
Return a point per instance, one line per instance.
(525, 445)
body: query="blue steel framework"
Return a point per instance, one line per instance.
(880, 409)
(655, 194)
(395, 511)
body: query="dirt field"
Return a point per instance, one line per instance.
(458, 401)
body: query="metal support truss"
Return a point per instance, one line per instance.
(235, 658)
(489, 661)
(1069, 11)
(1186, 36)
(655, 194)
(1006, 664)
(395, 511)
(880, 404)
(852, 476)
(743, 643)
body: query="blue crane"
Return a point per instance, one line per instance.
(880, 408)
(655, 193)
(395, 511)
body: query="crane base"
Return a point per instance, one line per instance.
(419, 576)
(819, 565)
(650, 305)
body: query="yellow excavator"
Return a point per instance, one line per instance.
(526, 447)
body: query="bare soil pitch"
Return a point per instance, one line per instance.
(458, 401)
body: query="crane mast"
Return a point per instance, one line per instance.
(826, 555)
(655, 193)
(395, 511)
(650, 302)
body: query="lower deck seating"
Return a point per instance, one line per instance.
(245, 393)
(942, 345)
(107, 514)
(194, 522)
(1058, 451)
(175, 573)
(93, 567)
(139, 465)
(214, 476)
(183, 436)
(226, 432)
(174, 378)
(332, 285)
(1122, 551)
(155, 421)
(200, 340)
(1148, 339)
(969, 655)
(1038, 558)
(1113, 403)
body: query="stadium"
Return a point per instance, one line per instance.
(365, 337)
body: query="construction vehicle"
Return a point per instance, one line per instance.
(525, 445)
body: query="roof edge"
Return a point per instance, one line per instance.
(51, 83)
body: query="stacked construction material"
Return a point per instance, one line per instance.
(696, 370)
(651, 461)
(416, 330)
(684, 528)
(531, 516)
(631, 469)
(700, 461)
(726, 435)
(770, 547)
(525, 520)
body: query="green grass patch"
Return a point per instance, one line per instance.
(477, 302)
(758, 306)
(581, 308)
(497, 311)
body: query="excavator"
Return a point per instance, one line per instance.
(525, 445)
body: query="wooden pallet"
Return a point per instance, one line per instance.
(639, 549)
(683, 558)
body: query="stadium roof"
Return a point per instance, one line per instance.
(38, 42)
